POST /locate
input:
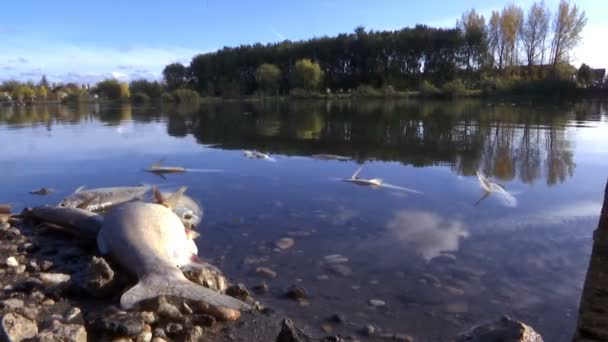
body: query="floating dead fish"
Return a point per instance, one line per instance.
(490, 187)
(376, 183)
(103, 198)
(330, 157)
(150, 241)
(257, 155)
(76, 221)
(42, 191)
(160, 170)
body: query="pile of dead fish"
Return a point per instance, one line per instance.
(148, 243)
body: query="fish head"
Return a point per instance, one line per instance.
(190, 217)
(74, 200)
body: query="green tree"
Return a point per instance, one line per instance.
(267, 76)
(307, 74)
(152, 89)
(110, 89)
(568, 26)
(585, 75)
(44, 82)
(42, 92)
(473, 28)
(175, 75)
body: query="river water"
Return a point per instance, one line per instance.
(441, 259)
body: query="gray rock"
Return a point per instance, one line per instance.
(296, 293)
(121, 324)
(285, 243)
(173, 329)
(53, 279)
(289, 333)
(203, 320)
(17, 328)
(260, 288)
(341, 270)
(72, 314)
(194, 335)
(99, 279)
(505, 330)
(12, 303)
(149, 317)
(63, 333)
(208, 277)
(159, 332)
(238, 291)
(167, 310)
(266, 272)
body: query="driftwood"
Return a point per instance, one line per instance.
(593, 311)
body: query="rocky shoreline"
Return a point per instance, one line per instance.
(54, 287)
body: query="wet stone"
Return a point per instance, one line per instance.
(145, 335)
(203, 320)
(121, 324)
(290, 333)
(336, 318)
(341, 270)
(296, 293)
(285, 243)
(504, 329)
(12, 303)
(72, 314)
(159, 332)
(16, 327)
(368, 330)
(238, 291)
(377, 302)
(173, 329)
(54, 279)
(266, 272)
(63, 332)
(194, 335)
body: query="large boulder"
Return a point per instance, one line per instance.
(503, 330)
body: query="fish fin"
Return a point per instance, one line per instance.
(79, 189)
(354, 176)
(84, 204)
(485, 195)
(191, 234)
(170, 201)
(158, 163)
(155, 285)
(158, 196)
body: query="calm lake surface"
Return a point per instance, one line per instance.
(439, 261)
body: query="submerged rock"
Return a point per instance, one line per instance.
(266, 272)
(505, 329)
(296, 293)
(17, 328)
(289, 333)
(285, 243)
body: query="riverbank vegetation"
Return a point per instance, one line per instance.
(511, 53)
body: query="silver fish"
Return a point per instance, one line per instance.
(330, 157)
(377, 183)
(103, 198)
(76, 221)
(489, 187)
(150, 241)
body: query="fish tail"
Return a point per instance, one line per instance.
(154, 286)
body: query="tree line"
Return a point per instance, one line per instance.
(511, 44)
(510, 49)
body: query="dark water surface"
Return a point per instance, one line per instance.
(440, 262)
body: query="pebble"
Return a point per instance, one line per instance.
(73, 313)
(296, 293)
(20, 269)
(204, 320)
(54, 278)
(335, 259)
(166, 309)
(336, 318)
(174, 328)
(5, 225)
(159, 332)
(285, 243)
(12, 303)
(11, 262)
(368, 330)
(48, 302)
(17, 328)
(121, 324)
(158, 339)
(238, 291)
(46, 265)
(377, 302)
(146, 334)
(149, 317)
(266, 272)
(63, 332)
(326, 328)
(194, 335)
(454, 291)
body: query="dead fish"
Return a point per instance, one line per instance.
(76, 221)
(103, 198)
(150, 241)
(490, 187)
(257, 155)
(186, 208)
(42, 191)
(377, 183)
(330, 157)
(160, 170)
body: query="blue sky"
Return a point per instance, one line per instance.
(86, 41)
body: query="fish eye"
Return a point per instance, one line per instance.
(188, 216)
(62, 204)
